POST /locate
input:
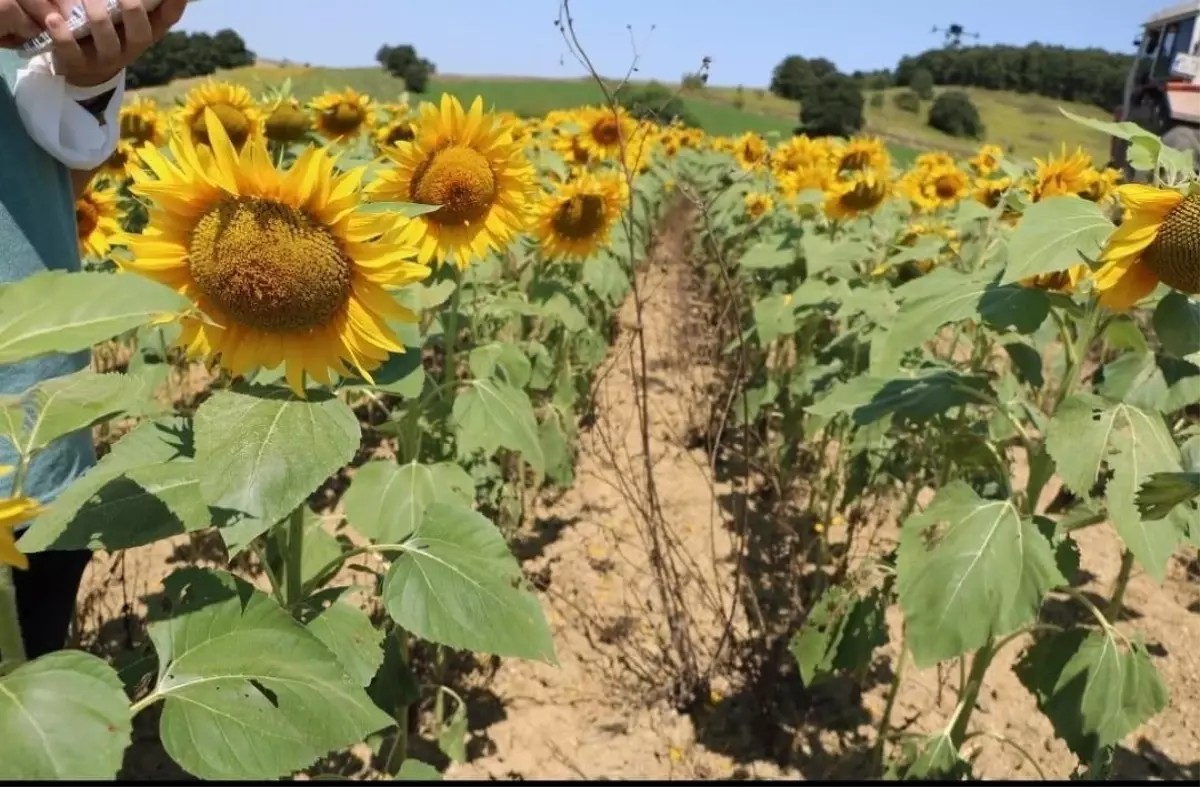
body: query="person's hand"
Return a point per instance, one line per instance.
(111, 47)
(21, 20)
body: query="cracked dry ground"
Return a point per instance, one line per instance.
(606, 710)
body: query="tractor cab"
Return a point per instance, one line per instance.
(1162, 91)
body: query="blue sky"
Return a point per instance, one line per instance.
(745, 40)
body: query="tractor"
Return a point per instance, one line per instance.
(1162, 92)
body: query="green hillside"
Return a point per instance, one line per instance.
(1026, 125)
(521, 95)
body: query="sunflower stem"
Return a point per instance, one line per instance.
(12, 647)
(293, 576)
(450, 338)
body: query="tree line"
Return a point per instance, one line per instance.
(1089, 76)
(179, 55)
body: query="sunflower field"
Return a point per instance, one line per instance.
(403, 309)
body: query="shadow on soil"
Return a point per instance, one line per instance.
(817, 730)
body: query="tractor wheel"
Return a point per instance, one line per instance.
(1185, 138)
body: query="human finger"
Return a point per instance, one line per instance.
(166, 16)
(66, 47)
(103, 31)
(17, 23)
(137, 31)
(37, 11)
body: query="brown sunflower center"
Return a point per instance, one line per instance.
(400, 132)
(345, 118)
(138, 127)
(580, 217)
(288, 123)
(1174, 256)
(946, 186)
(234, 120)
(864, 196)
(460, 180)
(1058, 281)
(855, 160)
(269, 266)
(607, 131)
(119, 158)
(87, 217)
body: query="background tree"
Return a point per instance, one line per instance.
(1092, 76)
(954, 113)
(403, 62)
(180, 55)
(655, 102)
(795, 77)
(921, 83)
(834, 107)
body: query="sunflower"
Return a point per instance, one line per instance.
(394, 132)
(1058, 281)
(933, 160)
(1060, 175)
(987, 160)
(232, 104)
(342, 117)
(802, 163)
(281, 263)
(941, 187)
(288, 122)
(1159, 241)
(990, 192)
(863, 153)
(97, 221)
(758, 204)
(123, 161)
(602, 130)
(574, 221)
(467, 164)
(142, 123)
(751, 151)
(395, 109)
(14, 512)
(862, 193)
(1099, 187)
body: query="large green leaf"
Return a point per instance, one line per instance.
(57, 312)
(63, 716)
(1093, 690)
(502, 357)
(867, 399)
(840, 633)
(248, 692)
(61, 405)
(774, 316)
(490, 414)
(1054, 235)
(145, 489)
(261, 451)
(925, 309)
(1177, 324)
(386, 501)
(458, 585)
(1086, 433)
(346, 630)
(839, 256)
(767, 254)
(969, 569)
